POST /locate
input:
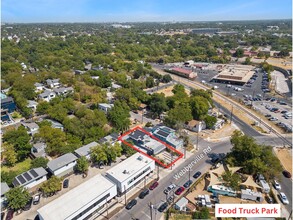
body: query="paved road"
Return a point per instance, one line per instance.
(142, 210)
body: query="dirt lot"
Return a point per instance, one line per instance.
(168, 91)
(225, 132)
(285, 156)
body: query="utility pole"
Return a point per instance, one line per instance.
(151, 210)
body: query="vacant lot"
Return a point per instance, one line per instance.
(285, 156)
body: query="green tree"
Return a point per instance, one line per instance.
(118, 149)
(150, 82)
(128, 151)
(9, 176)
(119, 116)
(180, 114)
(232, 179)
(51, 186)
(239, 53)
(39, 162)
(9, 154)
(157, 104)
(166, 78)
(17, 198)
(82, 164)
(202, 214)
(98, 154)
(43, 107)
(199, 107)
(210, 121)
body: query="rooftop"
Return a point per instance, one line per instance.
(29, 176)
(61, 161)
(129, 167)
(86, 149)
(4, 188)
(109, 138)
(71, 202)
(181, 70)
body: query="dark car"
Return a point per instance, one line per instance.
(197, 174)
(179, 190)
(2, 215)
(154, 185)
(287, 174)
(170, 199)
(36, 199)
(283, 112)
(144, 193)
(66, 183)
(28, 205)
(9, 214)
(131, 204)
(269, 199)
(163, 207)
(187, 184)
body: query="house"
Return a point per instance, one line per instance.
(32, 104)
(95, 77)
(31, 178)
(110, 139)
(219, 124)
(31, 127)
(55, 124)
(116, 86)
(53, 83)
(181, 204)
(7, 106)
(88, 66)
(47, 95)
(168, 136)
(4, 189)
(63, 90)
(110, 97)
(63, 165)
(39, 87)
(105, 107)
(195, 125)
(81, 202)
(85, 150)
(38, 150)
(79, 72)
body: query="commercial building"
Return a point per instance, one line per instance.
(235, 74)
(31, 178)
(130, 172)
(167, 135)
(82, 202)
(63, 165)
(205, 30)
(187, 73)
(85, 150)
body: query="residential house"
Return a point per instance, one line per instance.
(31, 178)
(7, 106)
(110, 97)
(39, 87)
(53, 83)
(63, 91)
(79, 72)
(105, 107)
(168, 135)
(31, 127)
(56, 124)
(4, 189)
(38, 149)
(47, 95)
(32, 104)
(63, 165)
(116, 86)
(110, 139)
(195, 125)
(85, 150)
(88, 66)
(95, 77)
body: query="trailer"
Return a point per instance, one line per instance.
(248, 194)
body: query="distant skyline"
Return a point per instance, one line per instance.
(30, 11)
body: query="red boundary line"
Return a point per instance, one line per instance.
(152, 136)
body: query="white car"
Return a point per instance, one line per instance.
(283, 198)
(169, 188)
(277, 185)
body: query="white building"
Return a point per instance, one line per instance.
(131, 171)
(53, 83)
(47, 95)
(39, 87)
(181, 204)
(85, 150)
(31, 178)
(62, 165)
(83, 202)
(31, 127)
(105, 107)
(32, 104)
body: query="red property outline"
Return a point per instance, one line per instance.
(152, 136)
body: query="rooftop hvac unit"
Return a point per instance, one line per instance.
(140, 158)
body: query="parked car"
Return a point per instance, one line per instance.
(283, 198)
(36, 199)
(9, 214)
(28, 205)
(187, 184)
(163, 207)
(276, 185)
(197, 174)
(131, 204)
(154, 185)
(286, 174)
(169, 188)
(269, 199)
(66, 183)
(268, 115)
(273, 119)
(170, 199)
(143, 193)
(283, 112)
(179, 190)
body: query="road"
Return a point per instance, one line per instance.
(142, 210)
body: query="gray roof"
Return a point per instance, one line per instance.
(38, 84)
(31, 103)
(4, 188)
(46, 93)
(29, 176)
(137, 134)
(31, 125)
(106, 105)
(63, 90)
(61, 161)
(40, 145)
(51, 81)
(85, 150)
(182, 202)
(8, 99)
(55, 124)
(109, 138)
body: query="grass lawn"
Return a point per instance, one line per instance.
(19, 167)
(180, 217)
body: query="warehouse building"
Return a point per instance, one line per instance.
(130, 172)
(84, 201)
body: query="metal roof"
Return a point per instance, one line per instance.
(61, 161)
(29, 176)
(4, 188)
(86, 149)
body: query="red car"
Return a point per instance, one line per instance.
(287, 174)
(154, 185)
(179, 190)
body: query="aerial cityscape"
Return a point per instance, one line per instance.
(146, 110)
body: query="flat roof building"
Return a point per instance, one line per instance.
(131, 171)
(82, 202)
(168, 135)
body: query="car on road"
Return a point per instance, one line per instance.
(66, 183)
(276, 185)
(197, 174)
(143, 193)
(283, 198)
(9, 214)
(28, 205)
(163, 207)
(187, 184)
(169, 188)
(287, 174)
(179, 190)
(268, 115)
(273, 119)
(131, 204)
(154, 185)
(36, 199)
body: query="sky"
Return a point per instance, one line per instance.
(27, 11)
